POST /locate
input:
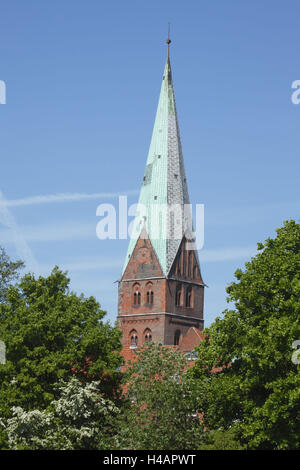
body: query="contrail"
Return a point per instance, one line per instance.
(62, 197)
(22, 247)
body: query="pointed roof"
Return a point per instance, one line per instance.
(164, 181)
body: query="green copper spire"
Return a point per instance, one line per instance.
(164, 181)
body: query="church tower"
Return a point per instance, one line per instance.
(161, 290)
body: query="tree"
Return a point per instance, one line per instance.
(50, 333)
(257, 390)
(9, 271)
(221, 440)
(80, 419)
(161, 412)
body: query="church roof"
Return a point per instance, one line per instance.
(164, 182)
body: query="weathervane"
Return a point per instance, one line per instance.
(168, 41)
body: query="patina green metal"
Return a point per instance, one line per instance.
(164, 180)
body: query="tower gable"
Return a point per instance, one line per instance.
(143, 262)
(186, 265)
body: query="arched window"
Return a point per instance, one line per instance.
(150, 297)
(176, 337)
(133, 339)
(188, 297)
(137, 298)
(148, 335)
(136, 294)
(178, 296)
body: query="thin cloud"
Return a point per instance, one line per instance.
(73, 230)
(226, 254)
(53, 233)
(69, 230)
(101, 264)
(250, 214)
(88, 264)
(62, 198)
(15, 235)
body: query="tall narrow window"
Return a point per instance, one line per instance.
(188, 297)
(190, 266)
(195, 272)
(178, 296)
(178, 265)
(133, 339)
(150, 297)
(137, 298)
(136, 294)
(148, 335)
(176, 337)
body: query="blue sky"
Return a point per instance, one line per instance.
(83, 80)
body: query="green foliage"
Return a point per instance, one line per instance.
(9, 271)
(221, 439)
(80, 419)
(50, 333)
(259, 387)
(244, 387)
(161, 413)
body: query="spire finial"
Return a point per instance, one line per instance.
(168, 41)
